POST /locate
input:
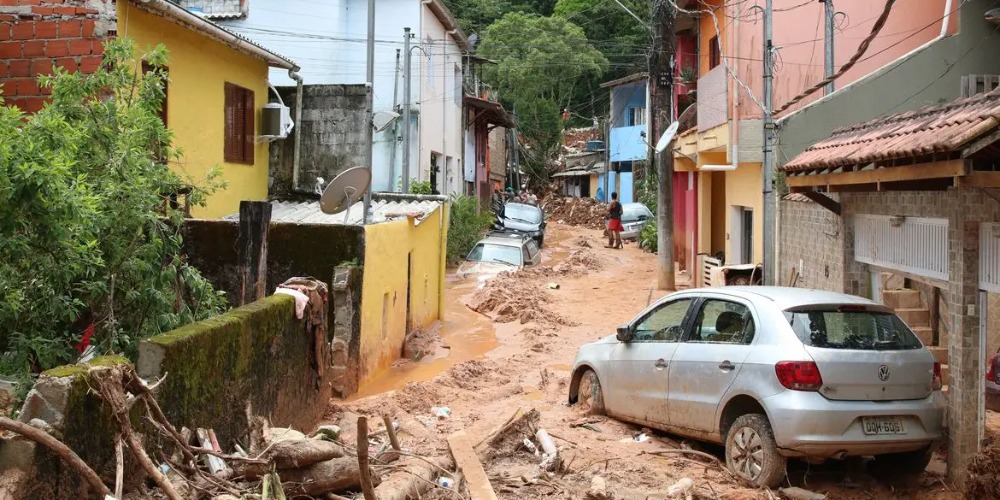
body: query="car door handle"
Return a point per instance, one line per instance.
(726, 366)
(660, 363)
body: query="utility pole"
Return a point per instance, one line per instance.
(370, 111)
(661, 76)
(828, 57)
(406, 110)
(769, 140)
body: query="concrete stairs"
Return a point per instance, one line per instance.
(909, 307)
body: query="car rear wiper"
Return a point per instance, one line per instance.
(882, 345)
(504, 262)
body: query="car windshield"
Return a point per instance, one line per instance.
(634, 212)
(501, 254)
(526, 213)
(860, 330)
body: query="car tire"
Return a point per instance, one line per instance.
(541, 242)
(590, 395)
(901, 464)
(752, 453)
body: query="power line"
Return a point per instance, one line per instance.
(850, 64)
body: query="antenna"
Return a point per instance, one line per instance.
(383, 119)
(345, 190)
(668, 135)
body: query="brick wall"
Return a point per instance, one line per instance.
(37, 35)
(812, 242)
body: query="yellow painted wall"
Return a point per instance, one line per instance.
(743, 188)
(384, 286)
(198, 69)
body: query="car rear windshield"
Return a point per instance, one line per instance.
(860, 330)
(632, 213)
(501, 254)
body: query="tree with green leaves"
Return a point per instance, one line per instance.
(621, 38)
(87, 229)
(540, 62)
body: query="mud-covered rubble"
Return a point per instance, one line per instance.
(585, 212)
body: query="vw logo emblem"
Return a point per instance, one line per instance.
(883, 373)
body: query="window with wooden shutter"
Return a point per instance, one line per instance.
(241, 130)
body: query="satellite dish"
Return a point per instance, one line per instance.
(345, 190)
(382, 120)
(668, 135)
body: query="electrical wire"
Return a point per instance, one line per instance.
(850, 63)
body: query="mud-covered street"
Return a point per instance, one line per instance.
(516, 354)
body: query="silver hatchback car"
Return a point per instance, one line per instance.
(771, 373)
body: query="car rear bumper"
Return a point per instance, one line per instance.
(806, 424)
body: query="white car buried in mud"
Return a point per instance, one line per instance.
(498, 252)
(772, 373)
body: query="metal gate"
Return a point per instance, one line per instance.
(915, 245)
(989, 257)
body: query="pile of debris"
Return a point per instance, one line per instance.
(269, 463)
(585, 212)
(983, 479)
(509, 297)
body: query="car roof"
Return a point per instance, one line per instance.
(786, 297)
(634, 204)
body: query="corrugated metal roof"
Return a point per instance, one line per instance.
(308, 212)
(218, 9)
(933, 129)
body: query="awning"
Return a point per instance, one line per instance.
(937, 142)
(489, 111)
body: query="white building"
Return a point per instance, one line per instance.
(328, 39)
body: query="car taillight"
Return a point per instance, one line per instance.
(991, 374)
(799, 375)
(936, 382)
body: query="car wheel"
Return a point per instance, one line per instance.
(751, 452)
(541, 242)
(906, 463)
(590, 396)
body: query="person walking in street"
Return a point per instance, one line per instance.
(615, 222)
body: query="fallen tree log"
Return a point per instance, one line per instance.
(318, 479)
(298, 453)
(410, 478)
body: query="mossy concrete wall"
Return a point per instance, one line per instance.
(255, 356)
(62, 399)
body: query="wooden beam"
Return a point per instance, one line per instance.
(979, 179)
(255, 218)
(981, 143)
(938, 170)
(823, 201)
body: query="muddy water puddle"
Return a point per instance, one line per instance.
(465, 334)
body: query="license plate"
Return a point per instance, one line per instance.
(882, 426)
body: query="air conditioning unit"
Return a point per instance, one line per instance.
(276, 121)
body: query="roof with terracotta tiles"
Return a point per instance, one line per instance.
(940, 128)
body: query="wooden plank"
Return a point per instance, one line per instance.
(936, 170)
(823, 201)
(468, 464)
(255, 218)
(984, 141)
(964, 87)
(979, 180)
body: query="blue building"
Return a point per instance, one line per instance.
(628, 142)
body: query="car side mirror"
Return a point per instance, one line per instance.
(624, 334)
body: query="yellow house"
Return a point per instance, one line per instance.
(217, 86)
(402, 285)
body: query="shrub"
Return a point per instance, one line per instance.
(417, 187)
(85, 229)
(648, 236)
(467, 226)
